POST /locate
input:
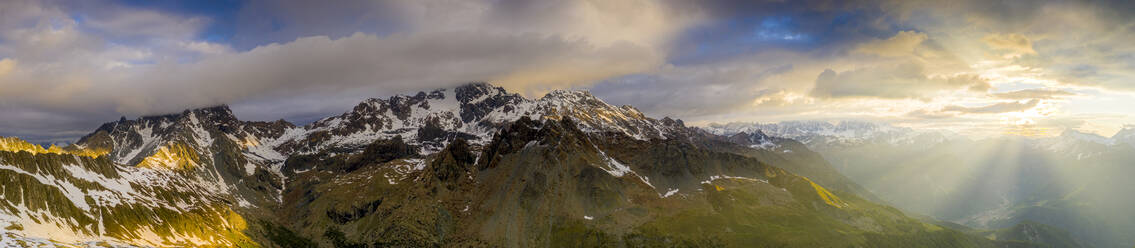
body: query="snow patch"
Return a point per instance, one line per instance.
(249, 168)
(712, 178)
(614, 167)
(74, 194)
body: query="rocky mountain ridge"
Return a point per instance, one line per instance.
(472, 112)
(469, 166)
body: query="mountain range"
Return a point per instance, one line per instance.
(471, 166)
(1074, 182)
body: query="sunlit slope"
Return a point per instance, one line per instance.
(788, 154)
(70, 198)
(12, 144)
(173, 180)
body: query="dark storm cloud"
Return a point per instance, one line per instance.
(47, 125)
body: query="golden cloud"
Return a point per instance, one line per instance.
(907, 80)
(1017, 43)
(1034, 94)
(903, 43)
(995, 108)
(6, 66)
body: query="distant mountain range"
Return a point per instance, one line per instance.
(1071, 181)
(824, 135)
(472, 166)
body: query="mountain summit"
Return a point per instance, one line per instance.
(473, 112)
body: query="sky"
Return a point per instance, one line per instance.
(981, 68)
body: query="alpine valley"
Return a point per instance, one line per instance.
(1071, 190)
(476, 166)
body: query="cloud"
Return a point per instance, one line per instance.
(113, 60)
(6, 66)
(777, 98)
(448, 45)
(260, 22)
(995, 108)
(130, 25)
(903, 43)
(396, 63)
(320, 64)
(697, 91)
(1082, 43)
(924, 114)
(1034, 94)
(42, 125)
(906, 65)
(644, 22)
(695, 60)
(1017, 43)
(893, 82)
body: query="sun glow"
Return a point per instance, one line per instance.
(1029, 130)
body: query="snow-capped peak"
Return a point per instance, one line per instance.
(594, 114)
(1072, 134)
(473, 112)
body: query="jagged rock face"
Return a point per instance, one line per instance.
(452, 162)
(130, 141)
(224, 149)
(427, 120)
(379, 151)
(756, 139)
(480, 100)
